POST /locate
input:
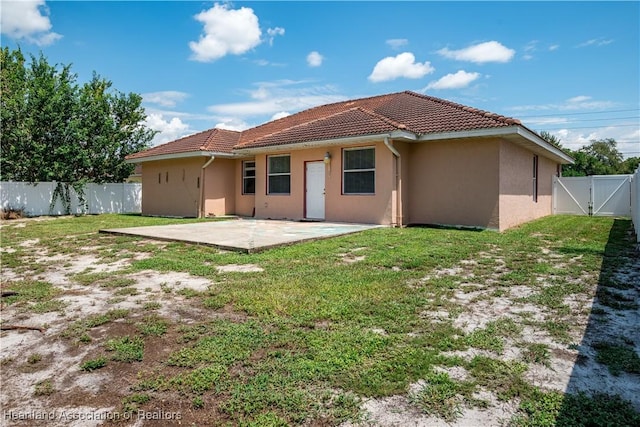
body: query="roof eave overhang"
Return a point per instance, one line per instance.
(351, 140)
(183, 155)
(516, 134)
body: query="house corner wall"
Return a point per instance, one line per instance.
(454, 182)
(405, 185)
(516, 185)
(220, 187)
(171, 187)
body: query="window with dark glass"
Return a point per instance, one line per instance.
(359, 171)
(279, 174)
(249, 177)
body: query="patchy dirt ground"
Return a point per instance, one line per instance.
(52, 361)
(569, 368)
(70, 396)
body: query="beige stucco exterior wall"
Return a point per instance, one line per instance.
(373, 209)
(370, 209)
(481, 183)
(405, 182)
(180, 195)
(244, 203)
(516, 186)
(171, 187)
(220, 187)
(454, 182)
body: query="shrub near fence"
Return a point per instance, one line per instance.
(36, 199)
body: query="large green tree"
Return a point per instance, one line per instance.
(14, 120)
(56, 130)
(600, 157)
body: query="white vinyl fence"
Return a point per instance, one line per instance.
(635, 202)
(100, 198)
(601, 195)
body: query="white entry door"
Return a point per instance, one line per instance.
(314, 198)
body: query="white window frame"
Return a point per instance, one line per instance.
(269, 174)
(246, 168)
(345, 171)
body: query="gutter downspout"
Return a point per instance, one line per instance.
(202, 176)
(398, 181)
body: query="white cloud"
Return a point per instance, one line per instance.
(29, 21)
(402, 65)
(265, 63)
(578, 99)
(261, 93)
(529, 48)
(268, 106)
(280, 115)
(585, 103)
(272, 98)
(167, 98)
(314, 59)
(230, 123)
(457, 80)
(574, 139)
(273, 32)
(397, 43)
(596, 42)
(554, 47)
(576, 131)
(170, 130)
(492, 51)
(226, 31)
(545, 121)
(581, 102)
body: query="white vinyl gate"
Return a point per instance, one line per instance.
(602, 195)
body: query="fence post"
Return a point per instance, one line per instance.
(635, 202)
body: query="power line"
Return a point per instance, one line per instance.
(576, 114)
(608, 118)
(589, 127)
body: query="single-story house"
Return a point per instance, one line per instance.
(396, 159)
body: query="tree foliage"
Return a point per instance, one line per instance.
(56, 130)
(600, 157)
(551, 139)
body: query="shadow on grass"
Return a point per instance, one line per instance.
(447, 227)
(604, 387)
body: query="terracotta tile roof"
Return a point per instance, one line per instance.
(413, 112)
(352, 122)
(409, 111)
(216, 140)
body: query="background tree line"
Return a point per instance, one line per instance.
(54, 129)
(600, 157)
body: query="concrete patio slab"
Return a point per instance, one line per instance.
(244, 235)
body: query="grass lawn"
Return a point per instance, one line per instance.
(452, 321)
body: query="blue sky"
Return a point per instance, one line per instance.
(571, 68)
